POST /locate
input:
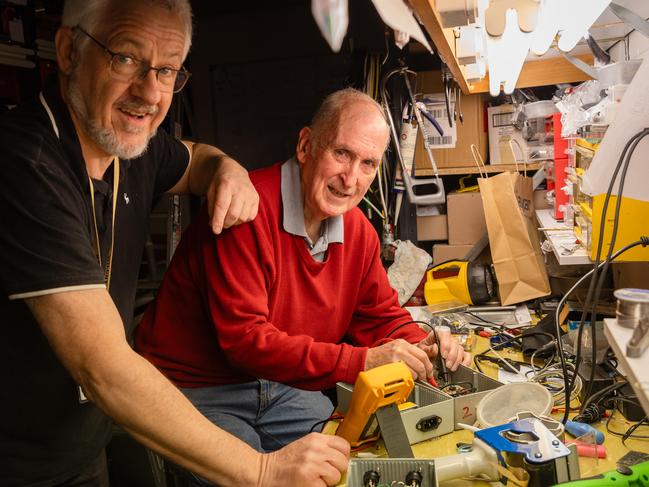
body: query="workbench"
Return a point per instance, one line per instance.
(447, 444)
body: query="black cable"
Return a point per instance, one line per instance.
(593, 281)
(513, 339)
(644, 241)
(629, 432)
(616, 219)
(596, 265)
(332, 417)
(593, 408)
(500, 325)
(409, 323)
(591, 414)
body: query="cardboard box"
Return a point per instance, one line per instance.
(540, 202)
(466, 220)
(432, 227)
(444, 252)
(472, 131)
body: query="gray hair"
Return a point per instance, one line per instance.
(326, 119)
(90, 13)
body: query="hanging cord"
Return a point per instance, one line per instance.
(644, 241)
(602, 276)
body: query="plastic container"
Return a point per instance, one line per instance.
(502, 405)
(539, 109)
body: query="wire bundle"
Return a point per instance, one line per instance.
(552, 378)
(597, 282)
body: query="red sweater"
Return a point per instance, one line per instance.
(253, 303)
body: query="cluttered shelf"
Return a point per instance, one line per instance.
(473, 169)
(562, 239)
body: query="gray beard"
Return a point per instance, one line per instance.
(105, 138)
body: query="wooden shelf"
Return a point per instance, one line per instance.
(541, 72)
(472, 169)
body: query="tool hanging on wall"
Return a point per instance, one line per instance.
(447, 82)
(414, 187)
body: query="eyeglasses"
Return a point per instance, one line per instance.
(126, 68)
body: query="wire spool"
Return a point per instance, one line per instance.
(632, 306)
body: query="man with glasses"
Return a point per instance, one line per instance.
(80, 170)
(253, 324)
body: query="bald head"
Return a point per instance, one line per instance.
(339, 155)
(345, 103)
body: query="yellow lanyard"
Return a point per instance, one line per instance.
(108, 268)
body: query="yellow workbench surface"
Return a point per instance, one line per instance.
(447, 444)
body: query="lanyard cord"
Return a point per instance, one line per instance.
(108, 268)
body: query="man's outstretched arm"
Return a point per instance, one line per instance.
(86, 332)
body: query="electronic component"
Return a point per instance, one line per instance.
(515, 452)
(374, 389)
(467, 387)
(629, 407)
(371, 478)
(413, 479)
(429, 403)
(393, 472)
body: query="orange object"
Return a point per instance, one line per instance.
(373, 389)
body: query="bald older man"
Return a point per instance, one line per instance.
(253, 324)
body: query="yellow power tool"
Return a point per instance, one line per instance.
(459, 280)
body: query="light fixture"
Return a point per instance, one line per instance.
(532, 25)
(506, 55)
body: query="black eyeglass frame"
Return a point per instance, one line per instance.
(143, 66)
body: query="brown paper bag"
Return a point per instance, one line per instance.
(524, 191)
(515, 247)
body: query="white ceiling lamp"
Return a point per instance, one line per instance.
(496, 15)
(577, 17)
(532, 25)
(550, 22)
(570, 20)
(506, 55)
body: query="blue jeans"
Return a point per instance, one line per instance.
(266, 415)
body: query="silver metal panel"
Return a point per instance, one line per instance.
(391, 470)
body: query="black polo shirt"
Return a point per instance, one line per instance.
(47, 246)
